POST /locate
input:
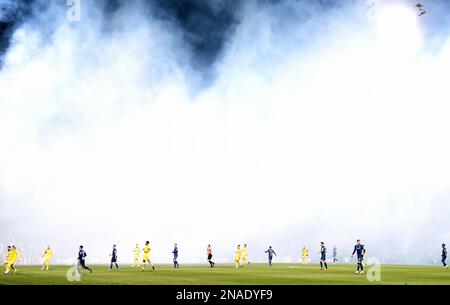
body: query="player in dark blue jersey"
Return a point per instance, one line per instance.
(82, 260)
(175, 257)
(270, 252)
(444, 256)
(323, 256)
(360, 252)
(114, 259)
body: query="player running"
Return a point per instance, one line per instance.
(209, 256)
(146, 257)
(444, 256)
(305, 255)
(14, 258)
(360, 252)
(7, 262)
(323, 256)
(237, 256)
(137, 252)
(270, 253)
(82, 260)
(175, 256)
(48, 254)
(244, 255)
(114, 259)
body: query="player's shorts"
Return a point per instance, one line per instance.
(360, 258)
(237, 259)
(323, 258)
(82, 262)
(114, 260)
(209, 256)
(175, 258)
(146, 257)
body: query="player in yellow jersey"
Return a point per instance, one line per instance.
(237, 256)
(48, 254)
(14, 258)
(146, 257)
(305, 255)
(244, 255)
(7, 262)
(137, 252)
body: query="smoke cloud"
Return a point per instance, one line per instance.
(280, 123)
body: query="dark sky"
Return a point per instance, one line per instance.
(206, 24)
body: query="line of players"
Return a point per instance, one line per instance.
(240, 259)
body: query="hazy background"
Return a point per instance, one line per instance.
(280, 123)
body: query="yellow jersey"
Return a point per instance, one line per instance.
(14, 256)
(238, 254)
(137, 251)
(244, 252)
(305, 253)
(8, 257)
(146, 250)
(48, 254)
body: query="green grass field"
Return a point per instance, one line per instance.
(256, 274)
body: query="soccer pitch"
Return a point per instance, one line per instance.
(255, 274)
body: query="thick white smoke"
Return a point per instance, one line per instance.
(320, 125)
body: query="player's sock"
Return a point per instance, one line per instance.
(326, 266)
(321, 265)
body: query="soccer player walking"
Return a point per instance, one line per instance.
(323, 256)
(237, 256)
(270, 252)
(48, 254)
(82, 260)
(360, 252)
(209, 256)
(244, 256)
(146, 256)
(114, 259)
(175, 257)
(137, 252)
(305, 255)
(444, 256)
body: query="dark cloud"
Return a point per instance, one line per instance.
(205, 25)
(12, 15)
